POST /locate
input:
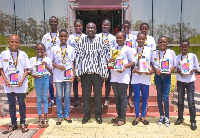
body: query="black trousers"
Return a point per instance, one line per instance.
(121, 101)
(87, 80)
(75, 89)
(108, 87)
(181, 86)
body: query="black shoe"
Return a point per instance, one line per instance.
(85, 119)
(179, 121)
(99, 120)
(76, 104)
(193, 126)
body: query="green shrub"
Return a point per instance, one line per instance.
(30, 84)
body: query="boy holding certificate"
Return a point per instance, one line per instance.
(187, 64)
(164, 63)
(14, 65)
(63, 75)
(141, 77)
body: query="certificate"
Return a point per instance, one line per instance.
(118, 63)
(185, 67)
(40, 70)
(164, 66)
(143, 65)
(67, 74)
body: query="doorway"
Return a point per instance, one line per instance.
(97, 16)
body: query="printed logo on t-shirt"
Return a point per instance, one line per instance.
(179, 63)
(135, 55)
(57, 52)
(48, 40)
(5, 60)
(155, 59)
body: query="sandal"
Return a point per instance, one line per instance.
(40, 124)
(145, 122)
(120, 122)
(134, 123)
(130, 103)
(45, 124)
(24, 128)
(10, 128)
(59, 122)
(115, 120)
(68, 120)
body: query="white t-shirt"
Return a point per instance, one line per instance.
(33, 64)
(193, 61)
(143, 78)
(170, 54)
(72, 39)
(130, 37)
(128, 54)
(57, 57)
(48, 42)
(110, 39)
(23, 63)
(150, 42)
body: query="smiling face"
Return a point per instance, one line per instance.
(14, 42)
(78, 27)
(53, 22)
(162, 42)
(40, 50)
(91, 30)
(120, 38)
(63, 36)
(126, 28)
(184, 47)
(141, 39)
(105, 26)
(144, 29)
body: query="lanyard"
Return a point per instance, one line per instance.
(37, 59)
(162, 56)
(105, 36)
(145, 43)
(16, 63)
(78, 37)
(63, 52)
(140, 55)
(182, 57)
(53, 39)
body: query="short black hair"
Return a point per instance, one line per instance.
(106, 20)
(126, 22)
(161, 37)
(185, 40)
(53, 17)
(42, 45)
(79, 21)
(144, 24)
(63, 30)
(124, 35)
(140, 34)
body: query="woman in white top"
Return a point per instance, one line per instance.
(41, 69)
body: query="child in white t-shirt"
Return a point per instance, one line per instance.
(141, 78)
(63, 75)
(121, 78)
(187, 64)
(40, 71)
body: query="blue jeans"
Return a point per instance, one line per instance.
(163, 83)
(181, 86)
(41, 88)
(59, 96)
(12, 107)
(51, 90)
(145, 94)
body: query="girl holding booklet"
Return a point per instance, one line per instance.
(63, 74)
(120, 76)
(141, 78)
(41, 69)
(164, 63)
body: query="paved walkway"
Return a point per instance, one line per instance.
(106, 130)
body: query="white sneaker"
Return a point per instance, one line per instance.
(167, 122)
(106, 103)
(160, 122)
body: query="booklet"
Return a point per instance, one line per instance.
(129, 44)
(185, 67)
(40, 70)
(67, 74)
(118, 63)
(143, 64)
(14, 79)
(164, 66)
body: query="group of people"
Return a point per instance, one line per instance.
(90, 59)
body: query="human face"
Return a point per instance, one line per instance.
(91, 30)
(184, 47)
(120, 39)
(53, 22)
(63, 36)
(14, 42)
(144, 29)
(78, 27)
(162, 42)
(106, 26)
(40, 50)
(141, 40)
(126, 28)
